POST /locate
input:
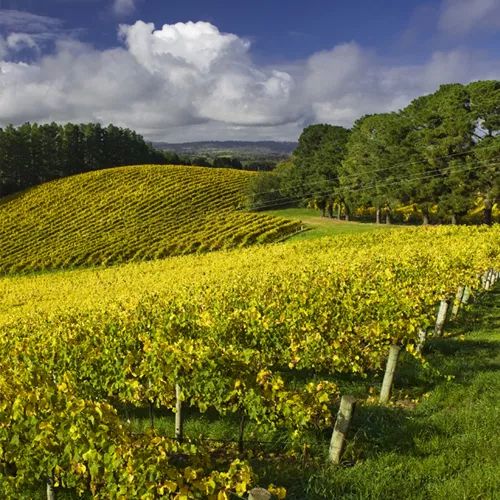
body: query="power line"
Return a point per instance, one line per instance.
(376, 184)
(392, 167)
(372, 186)
(365, 188)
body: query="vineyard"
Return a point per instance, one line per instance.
(260, 335)
(130, 214)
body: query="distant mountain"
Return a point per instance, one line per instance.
(235, 148)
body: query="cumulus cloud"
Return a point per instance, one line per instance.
(460, 17)
(189, 81)
(19, 41)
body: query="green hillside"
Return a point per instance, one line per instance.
(130, 214)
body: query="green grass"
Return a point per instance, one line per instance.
(318, 226)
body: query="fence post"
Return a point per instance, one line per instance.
(466, 296)
(457, 302)
(50, 490)
(178, 413)
(494, 277)
(441, 317)
(259, 494)
(390, 369)
(486, 280)
(422, 336)
(340, 429)
(491, 278)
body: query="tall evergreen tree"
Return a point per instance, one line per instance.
(441, 131)
(375, 166)
(485, 108)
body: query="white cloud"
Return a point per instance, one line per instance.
(19, 41)
(23, 30)
(189, 81)
(21, 21)
(199, 45)
(123, 7)
(460, 17)
(3, 48)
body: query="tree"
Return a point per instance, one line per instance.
(14, 152)
(312, 176)
(441, 132)
(374, 167)
(485, 109)
(32, 153)
(226, 162)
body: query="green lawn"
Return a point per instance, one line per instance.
(319, 226)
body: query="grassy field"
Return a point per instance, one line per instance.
(438, 439)
(318, 226)
(130, 214)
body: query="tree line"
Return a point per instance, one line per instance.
(220, 161)
(31, 153)
(440, 156)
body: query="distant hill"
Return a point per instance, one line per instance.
(241, 149)
(130, 214)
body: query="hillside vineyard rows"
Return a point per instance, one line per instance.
(227, 332)
(130, 214)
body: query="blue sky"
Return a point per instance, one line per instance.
(195, 70)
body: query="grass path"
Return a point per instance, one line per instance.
(319, 226)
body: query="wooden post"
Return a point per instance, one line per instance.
(458, 301)
(341, 427)
(490, 280)
(151, 415)
(50, 490)
(259, 494)
(178, 413)
(466, 296)
(390, 369)
(494, 277)
(422, 336)
(486, 280)
(441, 317)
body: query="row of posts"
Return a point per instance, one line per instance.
(347, 403)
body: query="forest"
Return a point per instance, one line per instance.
(31, 153)
(439, 156)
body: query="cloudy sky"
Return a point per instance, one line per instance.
(229, 69)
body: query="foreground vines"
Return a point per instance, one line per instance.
(231, 330)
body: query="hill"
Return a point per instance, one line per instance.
(242, 149)
(130, 214)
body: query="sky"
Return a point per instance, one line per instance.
(191, 70)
